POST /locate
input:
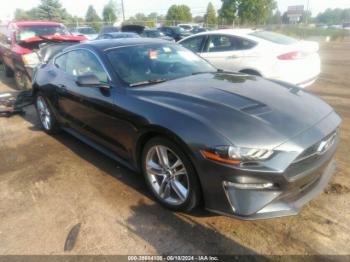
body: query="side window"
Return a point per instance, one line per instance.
(194, 43)
(244, 44)
(221, 43)
(224, 43)
(81, 62)
(60, 62)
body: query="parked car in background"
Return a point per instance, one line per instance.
(186, 27)
(335, 27)
(154, 33)
(241, 145)
(109, 29)
(20, 45)
(346, 26)
(86, 31)
(261, 53)
(198, 29)
(117, 35)
(177, 33)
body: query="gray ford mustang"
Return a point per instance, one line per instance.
(248, 147)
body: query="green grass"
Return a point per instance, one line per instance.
(306, 32)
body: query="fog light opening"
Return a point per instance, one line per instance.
(267, 185)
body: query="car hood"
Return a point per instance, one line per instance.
(247, 110)
(54, 38)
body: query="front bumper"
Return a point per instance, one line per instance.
(294, 185)
(278, 204)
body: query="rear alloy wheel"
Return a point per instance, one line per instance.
(169, 175)
(46, 117)
(22, 81)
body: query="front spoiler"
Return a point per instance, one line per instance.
(287, 207)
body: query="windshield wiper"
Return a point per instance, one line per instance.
(147, 82)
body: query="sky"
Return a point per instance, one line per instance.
(198, 7)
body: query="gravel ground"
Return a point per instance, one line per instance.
(49, 185)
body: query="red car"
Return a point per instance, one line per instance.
(22, 44)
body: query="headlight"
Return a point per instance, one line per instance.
(30, 59)
(236, 155)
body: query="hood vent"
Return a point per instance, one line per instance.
(256, 109)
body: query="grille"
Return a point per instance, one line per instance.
(314, 150)
(312, 159)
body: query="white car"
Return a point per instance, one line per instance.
(263, 53)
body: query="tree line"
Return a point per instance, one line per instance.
(232, 12)
(52, 10)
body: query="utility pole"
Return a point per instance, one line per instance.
(307, 11)
(123, 10)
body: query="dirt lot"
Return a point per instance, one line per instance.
(50, 184)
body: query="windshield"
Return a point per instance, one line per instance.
(26, 32)
(274, 37)
(86, 31)
(155, 63)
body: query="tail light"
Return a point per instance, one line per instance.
(30, 59)
(291, 56)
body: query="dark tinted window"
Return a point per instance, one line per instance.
(194, 43)
(86, 30)
(109, 29)
(225, 43)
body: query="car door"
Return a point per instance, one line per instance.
(89, 109)
(224, 52)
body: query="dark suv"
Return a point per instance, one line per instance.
(174, 31)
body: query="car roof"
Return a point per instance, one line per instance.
(238, 32)
(36, 23)
(103, 45)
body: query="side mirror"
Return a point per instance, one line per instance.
(90, 80)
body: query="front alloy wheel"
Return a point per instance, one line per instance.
(170, 175)
(46, 117)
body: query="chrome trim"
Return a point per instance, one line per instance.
(326, 145)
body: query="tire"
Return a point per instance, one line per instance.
(8, 71)
(47, 119)
(22, 80)
(177, 188)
